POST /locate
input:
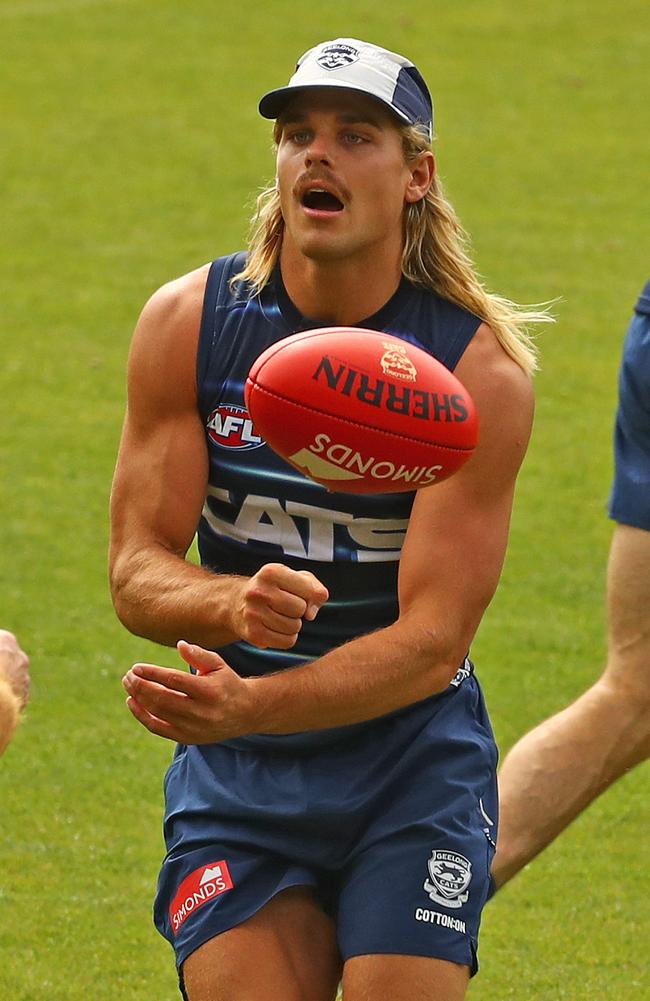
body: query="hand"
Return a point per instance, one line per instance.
(203, 708)
(270, 606)
(14, 666)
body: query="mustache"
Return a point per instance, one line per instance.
(310, 178)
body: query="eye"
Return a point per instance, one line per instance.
(354, 139)
(298, 136)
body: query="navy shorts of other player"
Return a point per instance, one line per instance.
(630, 497)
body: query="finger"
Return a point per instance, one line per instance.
(205, 661)
(294, 593)
(319, 594)
(276, 592)
(167, 704)
(301, 583)
(284, 603)
(165, 677)
(281, 624)
(151, 723)
(264, 639)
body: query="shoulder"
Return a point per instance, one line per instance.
(162, 359)
(441, 326)
(489, 373)
(504, 399)
(178, 302)
(172, 315)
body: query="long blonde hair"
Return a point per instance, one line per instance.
(435, 255)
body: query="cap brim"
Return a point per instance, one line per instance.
(273, 104)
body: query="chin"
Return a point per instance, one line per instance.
(324, 251)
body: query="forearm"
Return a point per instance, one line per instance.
(366, 678)
(9, 713)
(362, 680)
(164, 597)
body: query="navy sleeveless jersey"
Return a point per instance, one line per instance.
(259, 509)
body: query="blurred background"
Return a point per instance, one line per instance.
(132, 152)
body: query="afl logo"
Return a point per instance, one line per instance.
(230, 426)
(335, 57)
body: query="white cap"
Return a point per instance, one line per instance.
(361, 66)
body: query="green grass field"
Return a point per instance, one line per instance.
(130, 149)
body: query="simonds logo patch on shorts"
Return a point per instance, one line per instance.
(197, 889)
(450, 876)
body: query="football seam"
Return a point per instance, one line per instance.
(357, 424)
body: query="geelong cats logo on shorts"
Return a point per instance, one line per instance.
(450, 876)
(335, 57)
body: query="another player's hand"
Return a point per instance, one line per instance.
(202, 708)
(268, 608)
(14, 666)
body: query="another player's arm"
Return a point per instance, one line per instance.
(158, 494)
(450, 567)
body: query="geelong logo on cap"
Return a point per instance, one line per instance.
(334, 57)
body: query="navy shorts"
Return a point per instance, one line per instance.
(629, 501)
(393, 825)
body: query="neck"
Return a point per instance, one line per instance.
(338, 292)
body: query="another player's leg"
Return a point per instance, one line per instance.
(558, 768)
(285, 952)
(403, 978)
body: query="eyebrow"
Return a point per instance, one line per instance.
(345, 118)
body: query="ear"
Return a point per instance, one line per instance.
(422, 172)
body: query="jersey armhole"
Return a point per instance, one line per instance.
(216, 297)
(463, 336)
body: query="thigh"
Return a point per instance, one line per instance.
(403, 978)
(286, 952)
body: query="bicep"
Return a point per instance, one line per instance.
(160, 482)
(162, 467)
(453, 554)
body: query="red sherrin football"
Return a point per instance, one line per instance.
(361, 411)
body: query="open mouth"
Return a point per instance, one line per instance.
(321, 201)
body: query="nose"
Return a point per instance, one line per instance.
(318, 150)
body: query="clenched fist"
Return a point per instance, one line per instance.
(269, 607)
